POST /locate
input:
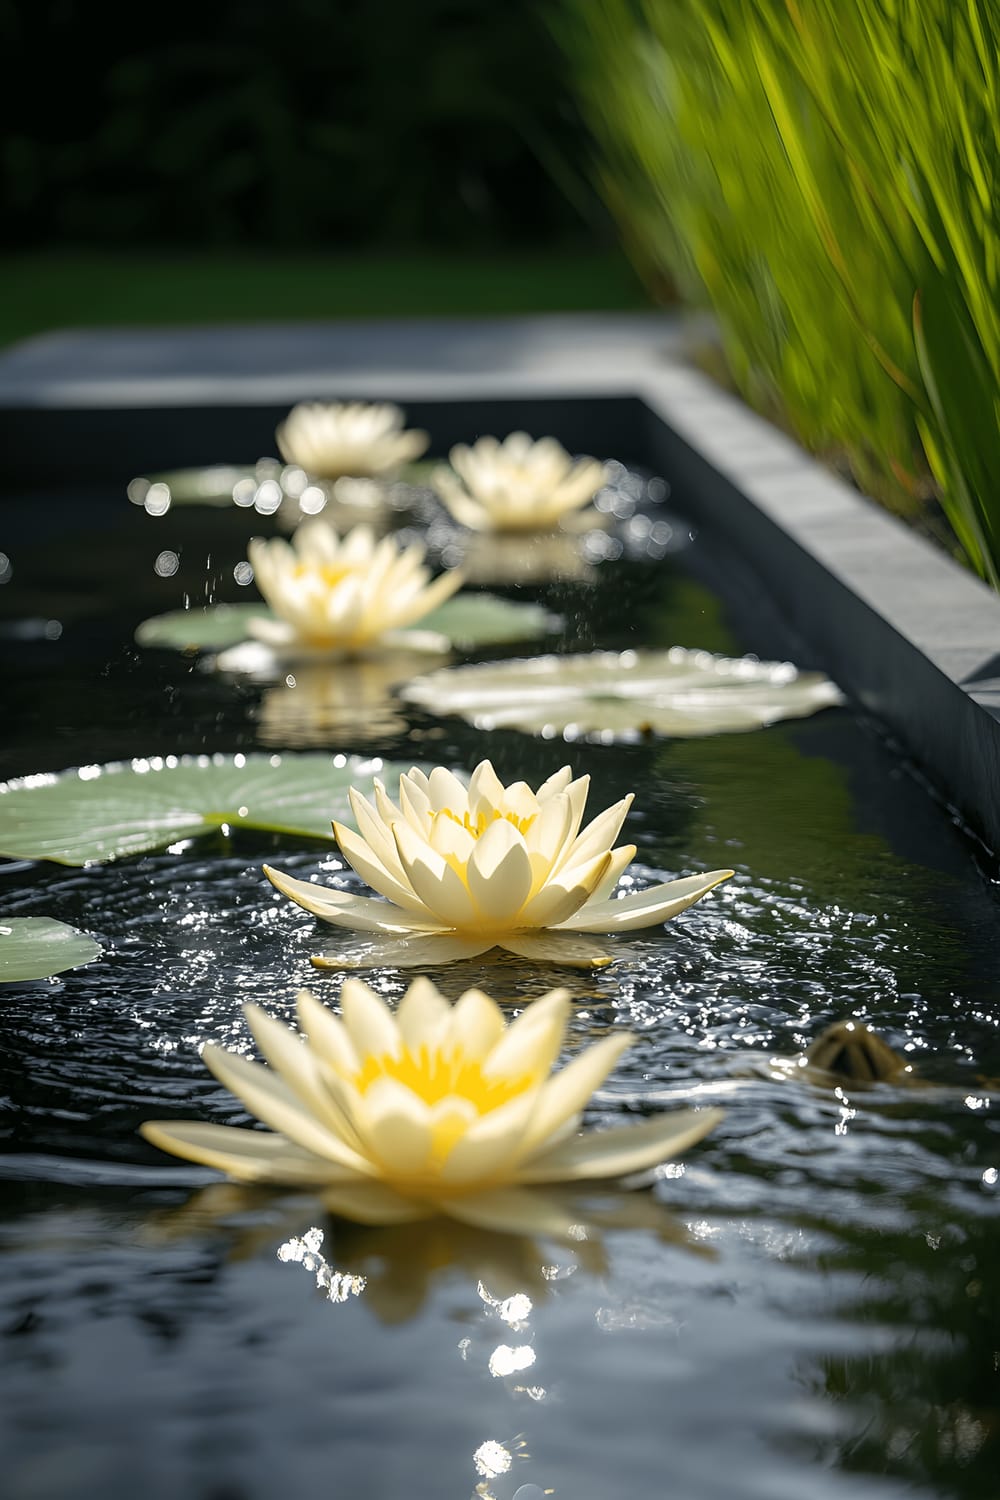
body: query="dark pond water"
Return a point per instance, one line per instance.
(815, 1311)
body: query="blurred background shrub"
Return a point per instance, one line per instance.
(823, 173)
(333, 122)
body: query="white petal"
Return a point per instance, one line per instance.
(268, 631)
(620, 860)
(450, 839)
(437, 885)
(294, 1061)
(499, 873)
(628, 1148)
(646, 908)
(491, 1143)
(566, 1092)
(246, 1155)
(429, 598)
(376, 831)
(547, 836)
(396, 1128)
(370, 1023)
(486, 790)
(364, 862)
(556, 783)
(531, 1043)
(362, 913)
(475, 1025)
(423, 1015)
(327, 1035)
(445, 790)
(598, 836)
(565, 893)
(269, 1098)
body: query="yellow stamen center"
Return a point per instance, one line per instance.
(478, 826)
(436, 1074)
(330, 573)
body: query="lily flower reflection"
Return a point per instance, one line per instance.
(342, 596)
(355, 438)
(536, 558)
(467, 869)
(437, 1109)
(318, 703)
(517, 485)
(400, 1264)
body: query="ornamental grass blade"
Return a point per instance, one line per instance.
(100, 813)
(611, 695)
(38, 947)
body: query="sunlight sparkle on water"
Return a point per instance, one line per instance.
(492, 1458)
(305, 1251)
(506, 1360)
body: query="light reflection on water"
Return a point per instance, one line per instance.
(808, 1306)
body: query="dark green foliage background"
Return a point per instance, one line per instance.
(318, 122)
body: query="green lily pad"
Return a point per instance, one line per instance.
(99, 813)
(608, 695)
(470, 620)
(466, 620)
(210, 627)
(38, 947)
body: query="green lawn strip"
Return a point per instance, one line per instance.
(86, 289)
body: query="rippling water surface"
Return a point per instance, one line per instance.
(807, 1306)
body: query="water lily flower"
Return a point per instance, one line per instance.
(438, 1108)
(516, 485)
(343, 595)
(467, 869)
(354, 438)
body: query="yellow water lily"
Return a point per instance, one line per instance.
(466, 869)
(333, 594)
(357, 438)
(437, 1108)
(516, 485)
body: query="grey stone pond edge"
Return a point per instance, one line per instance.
(910, 635)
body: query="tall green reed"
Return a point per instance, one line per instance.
(824, 173)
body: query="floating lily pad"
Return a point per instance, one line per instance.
(609, 695)
(100, 813)
(210, 627)
(466, 620)
(470, 620)
(38, 947)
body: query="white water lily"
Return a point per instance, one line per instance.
(467, 869)
(516, 485)
(344, 595)
(356, 438)
(438, 1108)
